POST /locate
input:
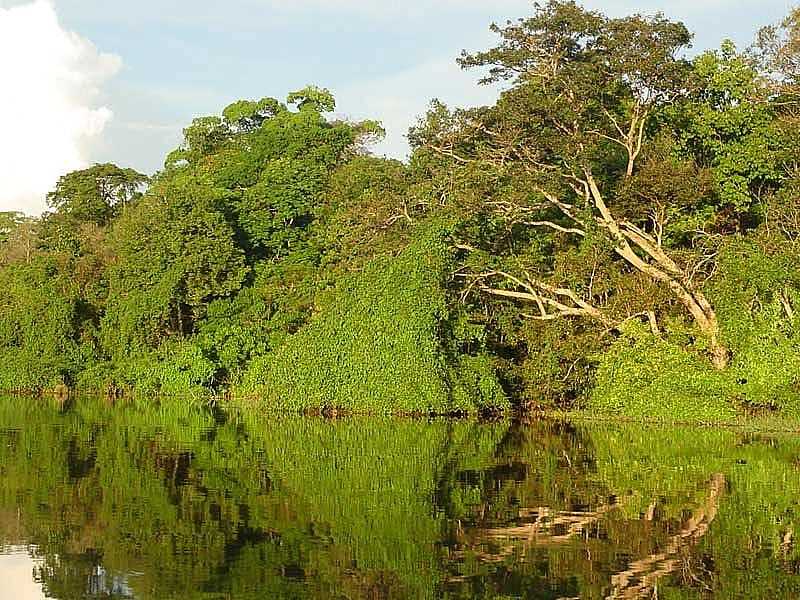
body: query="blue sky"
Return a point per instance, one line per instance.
(383, 59)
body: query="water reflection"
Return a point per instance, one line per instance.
(17, 573)
(176, 503)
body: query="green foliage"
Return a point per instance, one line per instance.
(616, 171)
(249, 115)
(85, 202)
(378, 345)
(475, 383)
(235, 330)
(204, 136)
(727, 125)
(365, 197)
(176, 255)
(312, 98)
(40, 326)
(241, 189)
(275, 212)
(95, 195)
(614, 182)
(644, 377)
(755, 291)
(177, 368)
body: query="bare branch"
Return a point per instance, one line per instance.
(552, 302)
(614, 121)
(551, 225)
(449, 153)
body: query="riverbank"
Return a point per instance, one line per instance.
(63, 399)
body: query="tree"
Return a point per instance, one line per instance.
(97, 194)
(41, 323)
(9, 222)
(230, 218)
(249, 115)
(312, 98)
(566, 136)
(18, 237)
(176, 253)
(729, 123)
(777, 54)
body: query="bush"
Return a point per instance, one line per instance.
(381, 345)
(177, 368)
(643, 376)
(757, 278)
(40, 328)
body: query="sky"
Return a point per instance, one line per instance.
(84, 81)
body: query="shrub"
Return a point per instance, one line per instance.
(381, 345)
(643, 376)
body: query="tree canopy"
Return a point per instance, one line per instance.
(622, 216)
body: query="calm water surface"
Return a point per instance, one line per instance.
(175, 503)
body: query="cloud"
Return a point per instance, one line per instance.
(48, 114)
(384, 60)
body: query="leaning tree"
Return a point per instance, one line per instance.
(569, 132)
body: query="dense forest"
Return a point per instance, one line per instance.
(618, 232)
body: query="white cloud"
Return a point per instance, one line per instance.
(187, 58)
(51, 80)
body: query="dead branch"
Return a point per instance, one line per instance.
(786, 303)
(552, 302)
(640, 249)
(451, 154)
(555, 226)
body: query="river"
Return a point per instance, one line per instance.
(178, 502)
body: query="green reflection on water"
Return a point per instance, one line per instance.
(178, 503)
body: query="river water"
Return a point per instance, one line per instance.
(174, 502)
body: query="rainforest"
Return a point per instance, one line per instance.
(618, 234)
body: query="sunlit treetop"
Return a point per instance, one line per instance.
(97, 194)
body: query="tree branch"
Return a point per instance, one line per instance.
(550, 300)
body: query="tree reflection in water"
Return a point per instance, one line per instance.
(179, 503)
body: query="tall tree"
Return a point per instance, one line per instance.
(97, 194)
(567, 136)
(9, 221)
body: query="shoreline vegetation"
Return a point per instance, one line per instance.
(617, 236)
(224, 408)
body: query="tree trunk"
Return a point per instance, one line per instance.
(662, 268)
(720, 355)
